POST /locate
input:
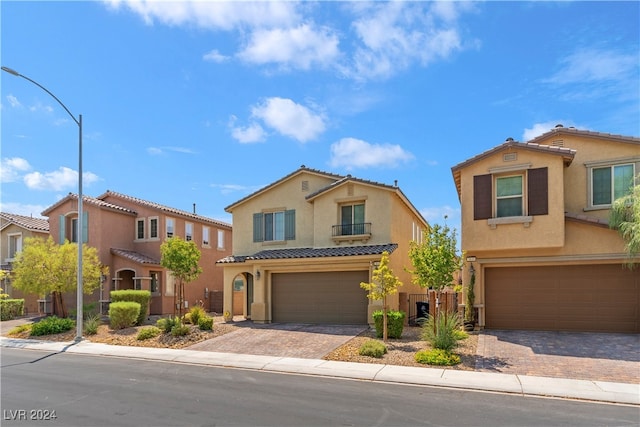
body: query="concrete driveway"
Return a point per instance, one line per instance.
(282, 339)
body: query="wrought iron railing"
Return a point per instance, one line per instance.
(351, 229)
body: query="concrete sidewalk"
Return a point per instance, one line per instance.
(504, 383)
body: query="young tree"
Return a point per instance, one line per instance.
(384, 283)
(44, 267)
(625, 217)
(182, 258)
(435, 260)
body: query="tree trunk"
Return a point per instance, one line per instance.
(384, 320)
(63, 308)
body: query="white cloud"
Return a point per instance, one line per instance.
(353, 153)
(539, 128)
(440, 214)
(593, 65)
(11, 168)
(63, 178)
(215, 56)
(234, 188)
(156, 151)
(13, 101)
(22, 209)
(300, 47)
(250, 134)
(290, 119)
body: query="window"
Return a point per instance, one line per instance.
(137, 283)
(205, 236)
(610, 183)
(509, 196)
(274, 226)
(170, 224)
(155, 282)
(74, 230)
(139, 228)
(15, 244)
(188, 231)
(68, 228)
(153, 228)
(220, 239)
(352, 219)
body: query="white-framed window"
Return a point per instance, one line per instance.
(205, 235)
(15, 244)
(220, 239)
(153, 227)
(274, 226)
(140, 228)
(609, 183)
(170, 225)
(352, 219)
(188, 231)
(509, 196)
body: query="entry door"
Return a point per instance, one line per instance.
(249, 294)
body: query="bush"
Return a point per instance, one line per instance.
(11, 308)
(180, 330)
(442, 333)
(148, 332)
(123, 314)
(205, 323)
(437, 357)
(196, 313)
(372, 348)
(91, 324)
(166, 324)
(141, 297)
(186, 318)
(395, 323)
(51, 325)
(20, 329)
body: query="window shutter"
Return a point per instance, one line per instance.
(538, 191)
(61, 230)
(85, 227)
(258, 234)
(290, 224)
(482, 198)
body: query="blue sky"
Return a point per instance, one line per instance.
(204, 102)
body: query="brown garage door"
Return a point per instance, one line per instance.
(598, 298)
(330, 297)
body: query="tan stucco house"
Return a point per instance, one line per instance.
(535, 230)
(303, 244)
(128, 232)
(14, 229)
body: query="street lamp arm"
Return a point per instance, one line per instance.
(15, 73)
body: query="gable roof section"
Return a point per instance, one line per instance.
(297, 172)
(567, 154)
(134, 256)
(90, 201)
(163, 208)
(298, 253)
(39, 225)
(560, 130)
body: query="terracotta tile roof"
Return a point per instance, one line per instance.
(90, 201)
(27, 222)
(163, 208)
(298, 253)
(586, 219)
(559, 130)
(135, 256)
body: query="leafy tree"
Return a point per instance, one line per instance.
(625, 217)
(44, 267)
(384, 283)
(182, 258)
(435, 260)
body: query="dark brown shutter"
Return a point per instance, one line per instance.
(482, 197)
(538, 191)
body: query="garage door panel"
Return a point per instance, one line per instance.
(603, 298)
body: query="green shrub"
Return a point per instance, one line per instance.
(148, 332)
(141, 297)
(205, 323)
(196, 313)
(373, 348)
(442, 332)
(123, 314)
(52, 325)
(180, 330)
(187, 318)
(11, 308)
(92, 323)
(437, 357)
(20, 329)
(395, 323)
(166, 324)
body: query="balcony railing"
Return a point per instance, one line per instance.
(351, 229)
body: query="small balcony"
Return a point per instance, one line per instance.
(351, 232)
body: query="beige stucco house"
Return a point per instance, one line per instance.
(128, 232)
(14, 229)
(303, 244)
(535, 230)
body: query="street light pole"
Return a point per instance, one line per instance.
(78, 121)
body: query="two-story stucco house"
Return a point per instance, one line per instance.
(128, 232)
(14, 229)
(303, 244)
(535, 229)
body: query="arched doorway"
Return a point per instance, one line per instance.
(124, 280)
(242, 294)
